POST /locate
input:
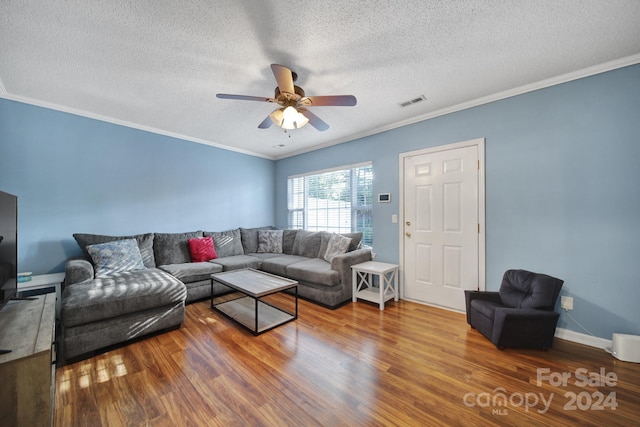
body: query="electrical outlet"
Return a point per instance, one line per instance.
(566, 303)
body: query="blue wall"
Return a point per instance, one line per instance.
(75, 174)
(562, 193)
(562, 189)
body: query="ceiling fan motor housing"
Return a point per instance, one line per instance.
(283, 96)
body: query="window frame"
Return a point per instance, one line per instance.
(298, 205)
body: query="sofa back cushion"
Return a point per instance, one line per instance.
(173, 248)
(145, 244)
(288, 239)
(307, 243)
(524, 289)
(249, 237)
(227, 243)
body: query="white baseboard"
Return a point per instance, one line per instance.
(589, 340)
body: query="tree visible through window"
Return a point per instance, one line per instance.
(338, 201)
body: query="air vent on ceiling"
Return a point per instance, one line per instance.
(413, 101)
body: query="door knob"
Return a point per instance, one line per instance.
(407, 234)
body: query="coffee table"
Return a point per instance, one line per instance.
(246, 305)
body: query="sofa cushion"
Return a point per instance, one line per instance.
(237, 261)
(278, 265)
(337, 245)
(525, 289)
(314, 270)
(145, 244)
(263, 256)
(129, 292)
(115, 257)
(288, 239)
(270, 241)
(173, 248)
(249, 237)
(307, 243)
(201, 249)
(192, 271)
(227, 243)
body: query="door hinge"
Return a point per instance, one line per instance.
(478, 228)
(478, 164)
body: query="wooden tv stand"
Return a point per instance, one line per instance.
(27, 373)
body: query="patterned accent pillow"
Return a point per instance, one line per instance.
(201, 249)
(337, 245)
(145, 244)
(118, 256)
(270, 241)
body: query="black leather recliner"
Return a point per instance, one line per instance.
(520, 314)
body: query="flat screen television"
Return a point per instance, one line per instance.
(8, 247)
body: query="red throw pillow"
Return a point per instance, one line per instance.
(201, 249)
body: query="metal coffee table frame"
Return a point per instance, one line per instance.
(248, 309)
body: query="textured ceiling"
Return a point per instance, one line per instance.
(157, 65)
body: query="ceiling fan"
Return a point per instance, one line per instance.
(292, 113)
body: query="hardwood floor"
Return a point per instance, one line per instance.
(408, 365)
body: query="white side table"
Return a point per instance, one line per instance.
(362, 282)
(45, 281)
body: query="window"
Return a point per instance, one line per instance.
(338, 200)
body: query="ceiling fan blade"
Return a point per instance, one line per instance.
(314, 120)
(325, 101)
(283, 77)
(244, 97)
(266, 123)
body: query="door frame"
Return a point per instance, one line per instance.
(479, 144)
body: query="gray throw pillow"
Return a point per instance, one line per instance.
(118, 256)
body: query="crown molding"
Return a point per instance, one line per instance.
(542, 84)
(82, 113)
(586, 72)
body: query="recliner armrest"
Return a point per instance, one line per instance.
(481, 295)
(524, 327)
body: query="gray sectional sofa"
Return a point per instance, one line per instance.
(98, 312)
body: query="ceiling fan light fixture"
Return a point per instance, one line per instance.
(288, 118)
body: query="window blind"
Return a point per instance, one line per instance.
(336, 200)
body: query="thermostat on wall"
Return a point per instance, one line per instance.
(384, 197)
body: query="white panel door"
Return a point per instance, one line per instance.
(440, 230)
